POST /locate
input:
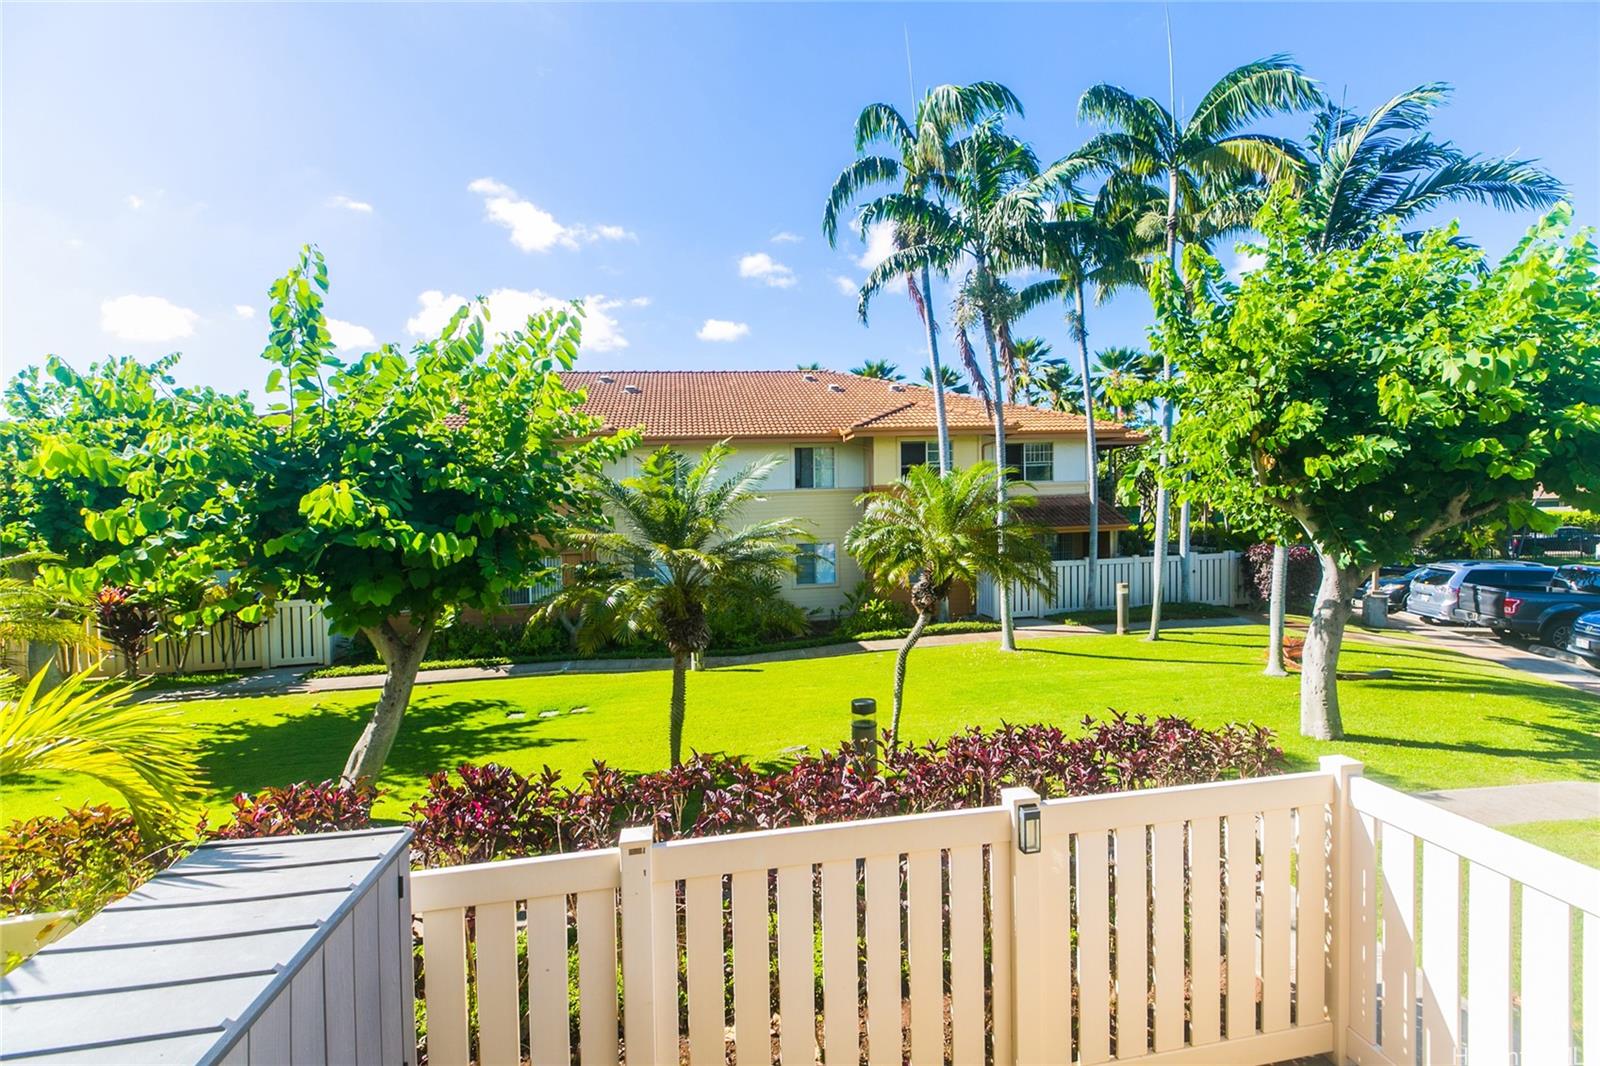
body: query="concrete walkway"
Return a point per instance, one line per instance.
(291, 679)
(1547, 801)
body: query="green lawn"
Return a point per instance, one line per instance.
(1578, 839)
(1442, 721)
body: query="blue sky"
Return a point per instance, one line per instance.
(163, 164)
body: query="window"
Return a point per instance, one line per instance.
(918, 453)
(816, 565)
(813, 468)
(1032, 462)
(1069, 546)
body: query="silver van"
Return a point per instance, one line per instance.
(1436, 591)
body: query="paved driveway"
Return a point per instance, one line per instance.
(1481, 644)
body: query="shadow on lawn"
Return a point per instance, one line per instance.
(438, 733)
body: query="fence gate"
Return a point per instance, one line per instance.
(297, 635)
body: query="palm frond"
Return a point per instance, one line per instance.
(1249, 93)
(859, 176)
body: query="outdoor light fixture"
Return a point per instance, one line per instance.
(1030, 830)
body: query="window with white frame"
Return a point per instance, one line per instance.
(1032, 461)
(813, 468)
(918, 453)
(816, 564)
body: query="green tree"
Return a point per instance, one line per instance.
(879, 369)
(1192, 180)
(923, 154)
(1122, 368)
(665, 551)
(950, 380)
(395, 488)
(1380, 394)
(1365, 170)
(927, 532)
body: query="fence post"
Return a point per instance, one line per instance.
(1122, 608)
(638, 941)
(1027, 953)
(1341, 768)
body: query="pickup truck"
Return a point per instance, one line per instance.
(1545, 615)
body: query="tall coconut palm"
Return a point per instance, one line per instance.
(987, 223)
(1120, 368)
(927, 532)
(1210, 167)
(879, 369)
(1364, 170)
(1053, 384)
(922, 150)
(669, 546)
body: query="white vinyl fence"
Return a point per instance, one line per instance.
(1242, 922)
(296, 634)
(1214, 577)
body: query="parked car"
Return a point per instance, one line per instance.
(1561, 539)
(1585, 638)
(1394, 585)
(1545, 615)
(1434, 593)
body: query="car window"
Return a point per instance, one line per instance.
(1578, 578)
(1434, 576)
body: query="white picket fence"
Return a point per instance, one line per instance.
(1214, 578)
(1224, 923)
(296, 634)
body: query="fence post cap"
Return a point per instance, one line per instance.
(1340, 765)
(1016, 796)
(635, 835)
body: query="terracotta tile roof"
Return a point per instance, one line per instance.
(1071, 512)
(713, 404)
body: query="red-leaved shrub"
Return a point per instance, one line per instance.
(1305, 574)
(299, 808)
(75, 861)
(489, 812)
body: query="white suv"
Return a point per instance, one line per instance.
(1435, 592)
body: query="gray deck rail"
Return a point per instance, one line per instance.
(256, 951)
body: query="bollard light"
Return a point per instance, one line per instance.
(1030, 829)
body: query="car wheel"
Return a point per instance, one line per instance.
(1556, 634)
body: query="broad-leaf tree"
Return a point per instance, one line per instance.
(927, 532)
(922, 153)
(1187, 181)
(397, 488)
(1379, 394)
(665, 548)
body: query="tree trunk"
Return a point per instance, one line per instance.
(1008, 636)
(1185, 592)
(1158, 562)
(1319, 662)
(680, 665)
(1080, 331)
(1275, 610)
(900, 676)
(402, 655)
(937, 372)
(43, 657)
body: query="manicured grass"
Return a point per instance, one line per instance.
(1579, 839)
(1441, 721)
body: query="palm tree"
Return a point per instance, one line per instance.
(1051, 383)
(1121, 367)
(879, 369)
(1028, 361)
(949, 380)
(40, 615)
(927, 532)
(85, 726)
(808, 366)
(1363, 170)
(1212, 171)
(670, 548)
(922, 150)
(987, 222)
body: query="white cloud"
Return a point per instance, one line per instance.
(510, 309)
(1246, 262)
(764, 268)
(534, 229)
(846, 286)
(880, 244)
(785, 237)
(720, 329)
(244, 310)
(349, 335)
(146, 318)
(639, 301)
(359, 206)
(135, 202)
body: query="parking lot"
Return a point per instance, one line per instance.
(1481, 643)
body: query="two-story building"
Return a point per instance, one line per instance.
(836, 435)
